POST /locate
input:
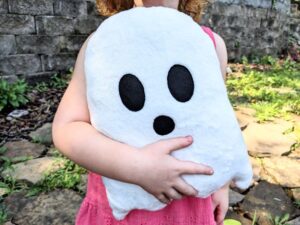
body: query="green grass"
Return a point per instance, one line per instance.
(57, 81)
(10, 185)
(272, 91)
(69, 176)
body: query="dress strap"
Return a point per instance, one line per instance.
(210, 34)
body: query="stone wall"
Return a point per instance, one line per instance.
(252, 27)
(41, 37)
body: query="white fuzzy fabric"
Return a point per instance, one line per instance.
(147, 42)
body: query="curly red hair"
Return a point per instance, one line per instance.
(193, 8)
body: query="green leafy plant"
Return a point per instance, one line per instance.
(3, 214)
(69, 176)
(268, 60)
(6, 163)
(58, 82)
(280, 220)
(12, 95)
(245, 60)
(11, 185)
(2, 150)
(41, 87)
(34, 191)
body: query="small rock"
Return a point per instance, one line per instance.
(18, 113)
(294, 221)
(228, 70)
(3, 191)
(33, 171)
(235, 197)
(266, 200)
(15, 202)
(22, 149)
(54, 208)
(9, 119)
(296, 194)
(282, 170)
(43, 134)
(265, 140)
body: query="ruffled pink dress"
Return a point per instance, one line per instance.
(95, 209)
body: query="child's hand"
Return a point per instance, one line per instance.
(160, 173)
(220, 201)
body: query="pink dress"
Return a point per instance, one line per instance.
(95, 209)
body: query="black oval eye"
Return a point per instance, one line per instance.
(132, 92)
(180, 83)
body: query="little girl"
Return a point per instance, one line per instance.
(151, 167)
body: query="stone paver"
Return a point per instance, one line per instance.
(268, 139)
(267, 199)
(43, 134)
(294, 221)
(244, 117)
(256, 168)
(266, 144)
(55, 208)
(33, 171)
(19, 150)
(282, 170)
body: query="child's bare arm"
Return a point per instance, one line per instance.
(151, 167)
(78, 140)
(222, 54)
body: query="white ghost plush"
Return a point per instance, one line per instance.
(152, 74)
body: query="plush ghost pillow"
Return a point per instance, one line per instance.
(152, 74)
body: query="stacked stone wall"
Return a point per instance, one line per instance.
(251, 27)
(39, 38)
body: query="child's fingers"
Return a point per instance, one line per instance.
(163, 198)
(188, 167)
(184, 188)
(220, 213)
(173, 194)
(173, 144)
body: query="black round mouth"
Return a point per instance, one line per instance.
(163, 125)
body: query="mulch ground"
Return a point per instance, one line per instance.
(41, 107)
